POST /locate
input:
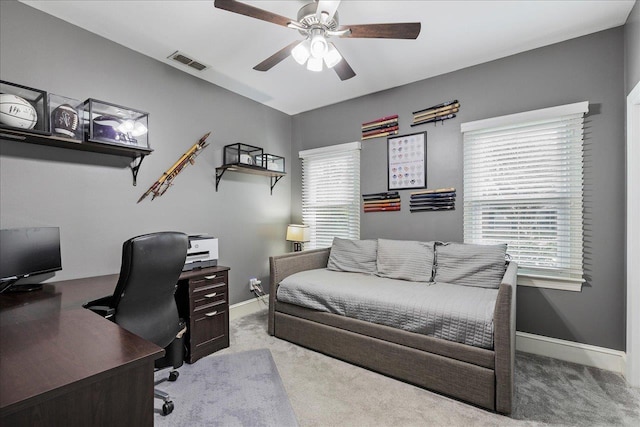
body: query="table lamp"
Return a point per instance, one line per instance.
(297, 234)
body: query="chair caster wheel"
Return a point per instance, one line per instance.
(167, 408)
(173, 375)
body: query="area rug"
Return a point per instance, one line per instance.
(234, 389)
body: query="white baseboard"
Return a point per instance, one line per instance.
(584, 354)
(247, 307)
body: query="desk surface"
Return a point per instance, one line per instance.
(50, 345)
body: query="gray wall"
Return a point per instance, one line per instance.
(585, 69)
(90, 196)
(632, 48)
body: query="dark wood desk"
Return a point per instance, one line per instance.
(62, 365)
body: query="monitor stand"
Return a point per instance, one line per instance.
(10, 287)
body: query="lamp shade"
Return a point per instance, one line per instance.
(297, 233)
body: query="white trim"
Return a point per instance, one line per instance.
(527, 116)
(633, 237)
(584, 354)
(574, 285)
(330, 149)
(248, 307)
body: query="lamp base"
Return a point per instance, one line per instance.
(297, 246)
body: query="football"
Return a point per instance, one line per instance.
(17, 112)
(64, 120)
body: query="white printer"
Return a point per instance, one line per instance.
(202, 252)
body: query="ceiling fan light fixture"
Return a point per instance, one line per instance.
(301, 52)
(314, 64)
(318, 46)
(332, 57)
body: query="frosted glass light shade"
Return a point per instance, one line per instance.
(332, 57)
(301, 52)
(318, 46)
(314, 64)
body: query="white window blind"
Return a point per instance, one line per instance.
(331, 193)
(523, 185)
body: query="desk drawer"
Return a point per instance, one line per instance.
(196, 282)
(209, 333)
(207, 294)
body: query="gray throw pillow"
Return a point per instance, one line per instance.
(355, 256)
(470, 265)
(405, 260)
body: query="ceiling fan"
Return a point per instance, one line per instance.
(318, 21)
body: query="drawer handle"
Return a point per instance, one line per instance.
(211, 314)
(213, 276)
(211, 295)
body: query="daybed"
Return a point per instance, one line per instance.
(452, 361)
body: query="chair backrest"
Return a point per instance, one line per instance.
(144, 297)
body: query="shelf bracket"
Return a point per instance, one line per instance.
(274, 181)
(219, 177)
(135, 167)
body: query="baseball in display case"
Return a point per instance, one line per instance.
(23, 109)
(66, 116)
(109, 123)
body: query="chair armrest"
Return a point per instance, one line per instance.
(101, 306)
(282, 266)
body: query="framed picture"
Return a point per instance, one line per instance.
(407, 161)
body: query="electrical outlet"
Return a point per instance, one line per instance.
(253, 282)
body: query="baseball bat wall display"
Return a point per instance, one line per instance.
(384, 126)
(381, 202)
(166, 180)
(441, 199)
(437, 113)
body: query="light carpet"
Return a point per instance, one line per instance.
(324, 391)
(236, 389)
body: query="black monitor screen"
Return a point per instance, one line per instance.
(27, 251)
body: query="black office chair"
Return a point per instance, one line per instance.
(143, 301)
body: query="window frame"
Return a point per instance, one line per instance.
(533, 278)
(351, 205)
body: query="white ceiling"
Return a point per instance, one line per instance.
(455, 35)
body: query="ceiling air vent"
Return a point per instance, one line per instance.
(182, 58)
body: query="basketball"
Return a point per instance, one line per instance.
(17, 112)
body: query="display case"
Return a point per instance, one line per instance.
(271, 162)
(23, 109)
(108, 123)
(66, 117)
(242, 154)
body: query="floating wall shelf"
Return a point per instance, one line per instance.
(95, 147)
(253, 170)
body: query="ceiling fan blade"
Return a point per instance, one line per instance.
(344, 70)
(251, 11)
(408, 30)
(327, 6)
(276, 58)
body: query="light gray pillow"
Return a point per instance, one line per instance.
(405, 260)
(355, 256)
(470, 265)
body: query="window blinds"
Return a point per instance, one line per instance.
(331, 193)
(523, 180)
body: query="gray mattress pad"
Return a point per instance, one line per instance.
(456, 313)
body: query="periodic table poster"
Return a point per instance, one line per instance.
(407, 161)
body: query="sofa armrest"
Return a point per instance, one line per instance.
(282, 266)
(504, 321)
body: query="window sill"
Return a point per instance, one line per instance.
(550, 283)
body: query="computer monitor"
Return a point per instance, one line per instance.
(26, 252)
